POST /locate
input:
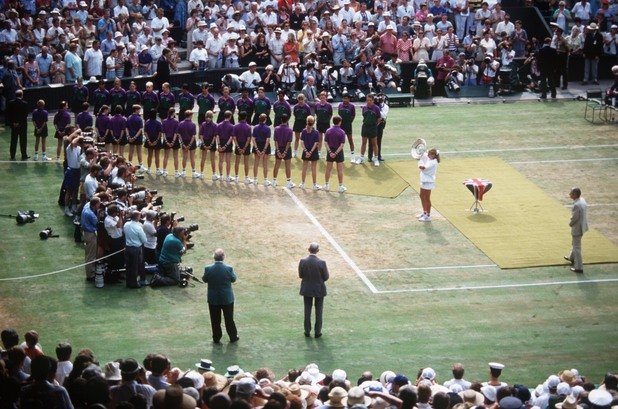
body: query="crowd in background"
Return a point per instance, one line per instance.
(32, 379)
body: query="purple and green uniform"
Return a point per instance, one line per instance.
(133, 98)
(225, 130)
(117, 125)
(169, 126)
(102, 125)
(283, 136)
(323, 114)
(166, 101)
(40, 118)
(186, 101)
(242, 132)
(225, 104)
(62, 119)
(84, 120)
(261, 134)
(205, 103)
(187, 131)
(261, 106)
(208, 131)
(117, 97)
(335, 137)
(246, 105)
(150, 101)
(153, 129)
(309, 139)
(301, 112)
(80, 95)
(347, 112)
(281, 108)
(134, 124)
(371, 115)
(100, 97)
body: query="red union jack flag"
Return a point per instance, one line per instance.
(478, 186)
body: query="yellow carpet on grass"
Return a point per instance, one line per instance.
(364, 179)
(522, 226)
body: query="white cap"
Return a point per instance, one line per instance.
(213, 25)
(252, 64)
(117, 34)
(339, 375)
(55, 11)
(83, 4)
(496, 365)
(201, 24)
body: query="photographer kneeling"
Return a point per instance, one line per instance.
(172, 250)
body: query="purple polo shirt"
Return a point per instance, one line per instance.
(134, 124)
(62, 119)
(152, 129)
(261, 133)
(242, 132)
(39, 117)
(187, 130)
(117, 124)
(102, 124)
(84, 120)
(334, 137)
(170, 127)
(208, 130)
(224, 130)
(283, 135)
(151, 97)
(309, 138)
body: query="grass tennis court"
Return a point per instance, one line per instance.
(535, 320)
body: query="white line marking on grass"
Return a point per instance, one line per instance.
(430, 268)
(332, 241)
(498, 286)
(541, 148)
(525, 162)
(595, 204)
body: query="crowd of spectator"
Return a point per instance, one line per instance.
(31, 379)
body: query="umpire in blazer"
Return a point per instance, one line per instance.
(17, 118)
(313, 274)
(579, 226)
(220, 277)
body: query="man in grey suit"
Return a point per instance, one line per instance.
(220, 277)
(579, 225)
(313, 273)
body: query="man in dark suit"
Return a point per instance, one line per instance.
(547, 60)
(313, 273)
(162, 74)
(579, 226)
(220, 277)
(17, 119)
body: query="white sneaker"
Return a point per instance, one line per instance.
(164, 173)
(147, 171)
(424, 218)
(177, 174)
(195, 175)
(418, 216)
(301, 186)
(45, 158)
(266, 183)
(235, 179)
(159, 172)
(342, 189)
(215, 177)
(360, 160)
(228, 178)
(294, 154)
(183, 174)
(316, 187)
(67, 212)
(352, 157)
(376, 161)
(326, 187)
(200, 175)
(36, 156)
(290, 185)
(274, 182)
(248, 180)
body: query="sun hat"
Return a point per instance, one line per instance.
(335, 397)
(356, 396)
(215, 380)
(489, 392)
(568, 403)
(112, 369)
(600, 397)
(173, 397)
(233, 370)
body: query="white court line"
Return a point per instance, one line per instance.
(430, 268)
(540, 148)
(561, 161)
(332, 241)
(595, 204)
(490, 287)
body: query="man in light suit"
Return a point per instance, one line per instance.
(310, 91)
(313, 273)
(579, 225)
(220, 277)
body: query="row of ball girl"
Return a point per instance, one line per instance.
(224, 136)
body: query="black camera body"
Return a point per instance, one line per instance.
(47, 233)
(24, 217)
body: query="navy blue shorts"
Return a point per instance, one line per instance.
(71, 179)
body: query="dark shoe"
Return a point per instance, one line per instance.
(217, 342)
(308, 335)
(25, 157)
(381, 159)
(564, 87)
(12, 157)
(595, 82)
(568, 259)
(234, 340)
(318, 335)
(543, 96)
(553, 96)
(573, 269)
(584, 82)
(90, 279)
